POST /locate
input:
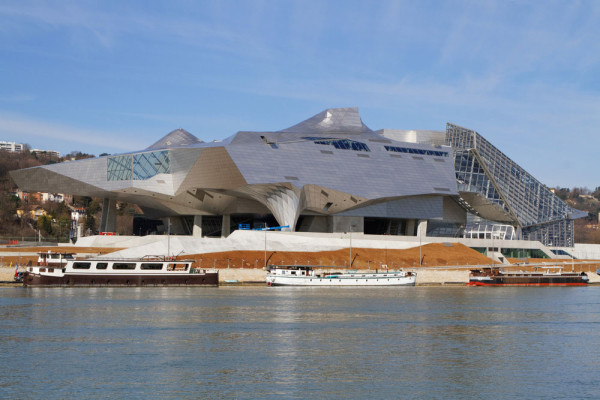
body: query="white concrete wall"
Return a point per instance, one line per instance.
(138, 246)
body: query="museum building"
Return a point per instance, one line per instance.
(329, 173)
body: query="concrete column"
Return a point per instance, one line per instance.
(197, 230)
(108, 221)
(422, 229)
(519, 231)
(225, 226)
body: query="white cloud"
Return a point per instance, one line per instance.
(111, 26)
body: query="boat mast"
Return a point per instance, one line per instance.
(350, 258)
(168, 237)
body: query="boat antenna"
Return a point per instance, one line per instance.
(352, 262)
(267, 261)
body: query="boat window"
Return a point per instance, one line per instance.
(123, 266)
(81, 265)
(50, 269)
(177, 267)
(101, 265)
(156, 266)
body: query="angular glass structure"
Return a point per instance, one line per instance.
(498, 189)
(147, 165)
(140, 166)
(119, 168)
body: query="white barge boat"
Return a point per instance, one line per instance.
(306, 275)
(147, 271)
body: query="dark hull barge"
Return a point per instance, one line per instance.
(147, 271)
(496, 277)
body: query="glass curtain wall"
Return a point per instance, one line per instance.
(542, 215)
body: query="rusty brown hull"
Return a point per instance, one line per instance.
(533, 280)
(208, 279)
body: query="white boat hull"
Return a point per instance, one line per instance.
(343, 280)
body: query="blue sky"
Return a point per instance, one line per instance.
(113, 76)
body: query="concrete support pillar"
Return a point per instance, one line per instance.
(197, 229)
(108, 221)
(422, 229)
(225, 226)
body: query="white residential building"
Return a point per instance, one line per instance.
(11, 146)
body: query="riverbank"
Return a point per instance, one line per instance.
(436, 264)
(257, 276)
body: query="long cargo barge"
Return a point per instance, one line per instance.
(553, 276)
(306, 275)
(146, 271)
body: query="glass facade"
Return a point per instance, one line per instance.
(342, 144)
(523, 253)
(417, 151)
(490, 231)
(483, 169)
(471, 177)
(138, 166)
(147, 165)
(119, 168)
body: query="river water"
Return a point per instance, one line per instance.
(296, 343)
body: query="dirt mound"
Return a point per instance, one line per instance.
(435, 254)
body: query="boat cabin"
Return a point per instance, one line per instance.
(54, 259)
(291, 270)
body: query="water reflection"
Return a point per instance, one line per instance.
(257, 342)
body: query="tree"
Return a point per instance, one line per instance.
(90, 223)
(15, 202)
(64, 224)
(562, 193)
(92, 208)
(78, 155)
(44, 223)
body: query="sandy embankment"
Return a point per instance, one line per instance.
(437, 260)
(7, 274)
